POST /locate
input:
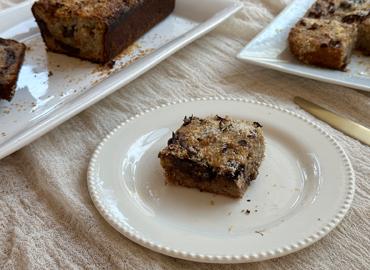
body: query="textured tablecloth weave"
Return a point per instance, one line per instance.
(48, 221)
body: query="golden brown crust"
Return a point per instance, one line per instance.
(11, 59)
(102, 10)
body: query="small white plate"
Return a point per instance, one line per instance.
(270, 49)
(52, 87)
(304, 189)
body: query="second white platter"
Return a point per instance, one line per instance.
(270, 49)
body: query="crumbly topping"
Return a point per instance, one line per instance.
(315, 33)
(323, 8)
(89, 8)
(330, 30)
(216, 142)
(337, 8)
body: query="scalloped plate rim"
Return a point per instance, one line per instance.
(225, 259)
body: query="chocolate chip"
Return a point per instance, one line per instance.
(313, 26)
(252, 135)
(335, 44)
(110, 64)
(237, 168)
(324, 45)
(316, 11)
(243, 142)
(210, 173)
(345, 5)
(233, 164)
(172, 139)
(68, 31)
(187, 120)
(257, 125)
(331, 8)
(219, 118)
(350, 18)
(358, 17)
(302, 22)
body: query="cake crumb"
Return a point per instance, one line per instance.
(110, 64)
(247, 212)
(248, 200)
(212, 202)
(50, 74)
(259, 232)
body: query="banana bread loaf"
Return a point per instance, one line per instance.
(11, 59)
(97, 30)
(214, 154)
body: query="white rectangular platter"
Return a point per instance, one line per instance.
(270, 49)
(52, 87)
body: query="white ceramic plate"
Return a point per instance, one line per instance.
(305, 187)
(270, 49)
(43, 102)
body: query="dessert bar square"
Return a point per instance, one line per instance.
(326, 43)
(214, 154)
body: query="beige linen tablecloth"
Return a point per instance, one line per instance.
(48, 221)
